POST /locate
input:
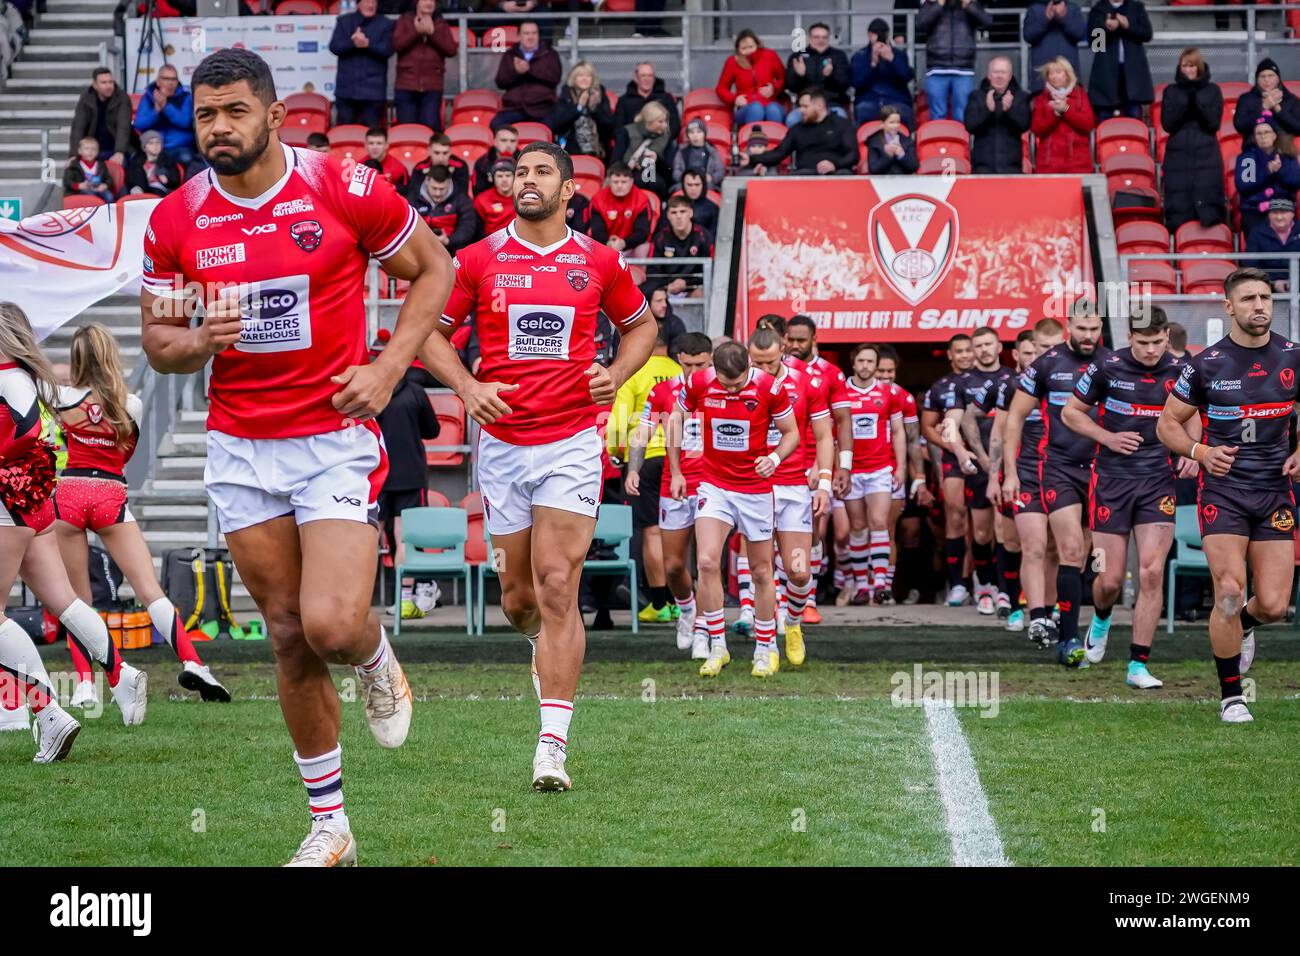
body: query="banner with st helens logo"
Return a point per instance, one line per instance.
(912, 259)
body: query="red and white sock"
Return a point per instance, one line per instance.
(859, 557)
(815, 567)
(20, 660)
(797, 598)
(889, 577)
(323, 778)
(745, 584)
(80, 662)
(716, 626)
(379, 658)
(765, 633)
(687, 604)
(556, 715)
(879, 557)
(167, 622)
(88, 630)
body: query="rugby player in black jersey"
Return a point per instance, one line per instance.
(1244, 387)
(1132, 482)
(1065, 468)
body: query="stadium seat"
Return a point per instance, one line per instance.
(471, 38)
(1121, 135)
(305, 122)
(614, 527)
(292, 135)
(1205, 276)
(720, 138)
(77, 201)
(1228, 132)
(715, 197)
(704, 96)
(589, 174)
(1142, 238)
(469, 153)
(944, 166)
(1159, 276)
(308, 103)
(1232, 90)
(409, 155)
(449, 448)
(309, 8)
(467, 134)
(775, 132)
(1293, 86)
(350, 134)
(1188, 557)
(533, 133)
(473, 115)
(413, 134)
(942, 138)
(717, 115)
(137, 197)
(485, 99)
(1193, 237)
(135, 102)
(1125, 169)
(499, 38)
(118, 172)
(618, 6)
(864, 133)
(349, 154)
(435, 547)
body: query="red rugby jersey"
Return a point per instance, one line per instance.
(876, 410)
(92, 440)
(659, 405)
(735, 426)
(298, 255)
(535, 310)
(809, 404)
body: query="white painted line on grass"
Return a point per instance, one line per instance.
(974, 836)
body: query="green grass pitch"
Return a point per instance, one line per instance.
(813, 767)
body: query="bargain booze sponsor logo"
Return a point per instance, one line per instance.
(913, 238)
(219, 256)
(292, 207)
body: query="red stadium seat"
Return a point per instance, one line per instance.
(476, 545)
(942, 138)
(716, 115)
(433, 498)
(308, 8)
(471, 38)
(1134, 203)
(775, 132)
(469, 134)
(136, 197)
(714, 197)
(868, 130)
(409, 155)
(618, 6)
(349, 154)
(719, 137)
(1192, 237)
(305, 122)
(472, 503)
(499, 38)
(1129, 169)
(656, 207)
(78, 200)
(412, 134)
(451, 436)
(533, 133)
(1142, 238)
(473, 115)
(292, 135)
(308, 103)
(350, 134)
(135, 102)
(1228, 132)
(1205, 276)
(469, 153)
(944, 166)
(589, 174)
(486, 99)
(1293, 86)
(1158, 276)
(1232, 90)
(704, 96)
(118, 172)
(1120, 135)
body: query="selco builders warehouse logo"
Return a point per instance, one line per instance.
(913, 238)
(276, 315)
(540, 332)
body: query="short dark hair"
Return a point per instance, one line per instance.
(524, 23)
(229, 66)
(803, 321)
(959, 337)
(563, 161)
(377, 131)
(771, 321)
(765, 337)
(813, 93)
(862, 347)
(504, 129)
(439, 139)
(1245, 274)
(1152, 322)
(692, 172)
(1082, 307)
(680, 201)
(317, 139)
(888, 352)
(1177, 337)
(619, 169)
(819, 26)
(747, 34)
(731, 359)
(889, 110)
(100, 71)
(693, 343)
(439, 174)
(1025, 335)
(986, 330)
(1048, 326)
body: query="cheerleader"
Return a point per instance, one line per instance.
(101, 423)
(28, 548)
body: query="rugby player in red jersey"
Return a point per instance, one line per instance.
(536, 288)
(273, 243)
(737, 405)
(1245, 388)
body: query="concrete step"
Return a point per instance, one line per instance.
(20, 168)
(170, 485)
(21, 149)
(32, 117)
(83, 19)
(181, 466)
(92, 7)
(162, 511)
(69, 85)
(46, 101)
(190, 442)
(87, 35)
(58, 135)
(80, 67)
(8, 183)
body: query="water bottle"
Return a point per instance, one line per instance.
(1129, 595)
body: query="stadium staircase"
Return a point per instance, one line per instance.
(49, 75)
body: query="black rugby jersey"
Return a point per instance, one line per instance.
(945, 394)
(1031, 432)
(1130, 397)
(1051, 380)
(1246, 397)
(981, 390)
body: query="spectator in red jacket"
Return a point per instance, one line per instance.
(620, 214)
(752, 80)
(440, 155)
(1062, 120)
(377, 158)
(504, 142)
(447, 210)
(529, 72)
(423, 40)
(496, 207)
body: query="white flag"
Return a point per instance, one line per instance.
(57, 264)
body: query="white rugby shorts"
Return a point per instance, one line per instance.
(333, 475)
(878, 482)
(564, 474)
(793, 506)
(676, 515)
(749, 514)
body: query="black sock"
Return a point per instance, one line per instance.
(1039, 613)
(1102, 613)
(659, 596)
(1229, 669)
(1138, 653)
(1013, 578)
(954, 550)
(983, 562)
(1000, 567)
(1069, 595)
(1248, 621)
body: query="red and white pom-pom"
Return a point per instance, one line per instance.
(26, 482)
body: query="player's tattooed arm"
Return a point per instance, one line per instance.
(970, 434)
(1171, 429)
(1075, 417)
(994, 492)
(174, 346)
(673, 429)
(636, 458)
(1022, 403)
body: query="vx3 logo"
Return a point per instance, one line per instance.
(344, 499)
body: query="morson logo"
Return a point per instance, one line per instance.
(541, 323)
(270, 303)
(913, 238)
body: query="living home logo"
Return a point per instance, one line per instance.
(973, 689)
(913, 238)
(76, 909)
